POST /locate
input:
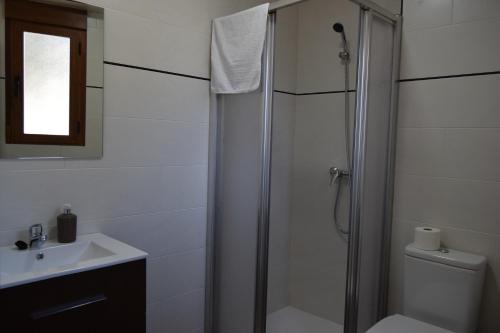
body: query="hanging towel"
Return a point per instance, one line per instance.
(237, 45)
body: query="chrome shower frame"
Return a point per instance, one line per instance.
(265, 181)
(367, 8)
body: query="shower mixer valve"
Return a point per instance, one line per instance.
(336, 174)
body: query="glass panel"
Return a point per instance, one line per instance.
(373, 222)
(309, 208)
(46, 84)
(237, 202)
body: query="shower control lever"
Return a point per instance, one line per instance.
(336, 174)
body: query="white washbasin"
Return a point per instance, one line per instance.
(55, 259)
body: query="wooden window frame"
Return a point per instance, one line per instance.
(26, 16)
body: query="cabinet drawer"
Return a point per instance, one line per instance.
(103, 300)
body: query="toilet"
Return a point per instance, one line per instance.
(442, 293)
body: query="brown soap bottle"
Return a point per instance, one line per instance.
(66, 226)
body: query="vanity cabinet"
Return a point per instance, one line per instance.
(105, 300)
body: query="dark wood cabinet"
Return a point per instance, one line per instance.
(110, 299)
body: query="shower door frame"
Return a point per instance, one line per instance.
(367, 8)
(367, 12)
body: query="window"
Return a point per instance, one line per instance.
(46, 74)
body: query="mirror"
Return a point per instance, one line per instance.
(51, 79)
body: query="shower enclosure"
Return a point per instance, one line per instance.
(291, 248)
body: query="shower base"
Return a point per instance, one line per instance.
(293, 320)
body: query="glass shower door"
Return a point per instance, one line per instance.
(373, 171)
(271, 229)
(307, 249)
(236, 212)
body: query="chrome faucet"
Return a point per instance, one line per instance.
(37, 237)
(336, 174)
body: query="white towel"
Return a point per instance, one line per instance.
(237, 45)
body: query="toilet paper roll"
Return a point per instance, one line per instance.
(427, 238)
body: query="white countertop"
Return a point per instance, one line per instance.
(89, 252)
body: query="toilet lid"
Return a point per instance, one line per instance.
(402, 324)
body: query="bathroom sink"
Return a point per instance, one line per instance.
(54, 259)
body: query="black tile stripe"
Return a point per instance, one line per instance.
(314, 93)
(285, 92)
(449, 76)
(325, 92)
(156, 70)
(2, 77)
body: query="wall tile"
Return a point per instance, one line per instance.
(421, 152)
(419, 14)
(175, 274)
(155, 44)
(463, 48)
(184, 187)
(393, 6)
(457, 153)
(318, 44)
(181, 314)
(468, 10)
(23, 204)
(104, 193)
(456, 102)
(159, 234)
(317, 252)
(473, 154)
(286, 49)
(278, 285)
(191, 14)
(310, 280)
(146, 142)
(94, 194)
(133, 135)
(20, 165)
(11, 236)
(457, 203)
(281, 194)
(167, 97)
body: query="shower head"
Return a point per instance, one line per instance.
(338, 27)
(344, 54)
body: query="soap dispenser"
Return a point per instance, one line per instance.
(66, 225)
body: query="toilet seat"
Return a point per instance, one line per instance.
(402, 324)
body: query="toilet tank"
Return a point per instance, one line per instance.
(443, 288)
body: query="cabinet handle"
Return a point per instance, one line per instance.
(17, 86)
(58, 309)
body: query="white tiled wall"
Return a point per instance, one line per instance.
(448, 165)
(282, 157)
(450, 37)
(318, 68)
(149, 190)
(180, 28)
(393, 6)
(318, 254)
(286, 49)
(281, 200)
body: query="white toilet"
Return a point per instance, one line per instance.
(442, 293)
